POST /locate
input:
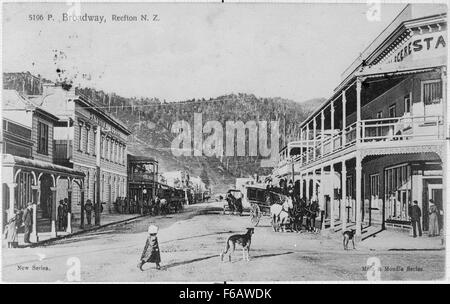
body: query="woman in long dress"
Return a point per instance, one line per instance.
(11, 234)
(433, 213)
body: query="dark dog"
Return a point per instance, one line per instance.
(349, 235)
(242, 239)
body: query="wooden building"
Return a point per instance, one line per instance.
(379, 142)
(142, 177)
(28, 171)
(90, 140)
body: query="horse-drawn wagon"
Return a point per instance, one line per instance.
(260, 201)
(172, 199)
(234, 202)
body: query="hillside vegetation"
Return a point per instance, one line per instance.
(151, 120)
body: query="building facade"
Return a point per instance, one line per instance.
(142, 177)
(379, 142)
(89, 140)
(28, 172)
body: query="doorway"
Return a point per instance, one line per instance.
(434, 192)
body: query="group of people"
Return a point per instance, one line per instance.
(435, 219)
(21, 219)
(306, 214)
(63, 213)
(152, 206)
(310, 210)
(234, 203)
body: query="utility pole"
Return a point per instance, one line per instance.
(284, 142)
(97, 206)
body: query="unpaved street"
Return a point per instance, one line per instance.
(190, 244)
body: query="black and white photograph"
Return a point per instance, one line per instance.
(224, 142)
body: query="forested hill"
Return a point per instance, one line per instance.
(151, 120)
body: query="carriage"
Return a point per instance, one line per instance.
(260, 199)
(234, 202)
(174, 198)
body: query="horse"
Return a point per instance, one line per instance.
(279, 213)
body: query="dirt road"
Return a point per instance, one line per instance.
(190, 244)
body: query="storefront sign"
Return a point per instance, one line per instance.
(427, 45)
(103, 124)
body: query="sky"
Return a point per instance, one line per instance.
(294, 51)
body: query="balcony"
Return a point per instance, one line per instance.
(142, 177)
(383, 132)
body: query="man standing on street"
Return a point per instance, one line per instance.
(27, 222)
(415, 215)
(88, 207)
(61, 215)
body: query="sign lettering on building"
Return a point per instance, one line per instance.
(103, 124)
(420, 46)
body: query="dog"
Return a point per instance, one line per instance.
(349, 235)
(242, 239)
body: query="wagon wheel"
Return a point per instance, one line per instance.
(255, 214)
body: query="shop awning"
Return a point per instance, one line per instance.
(9, 160)
(403, 68)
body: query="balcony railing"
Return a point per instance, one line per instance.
(406, 128)
(142, 176)
(403, 128)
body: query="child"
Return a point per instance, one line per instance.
(151, 249)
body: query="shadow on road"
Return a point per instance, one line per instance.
(198, 236)
(270, 255)
(188, 261)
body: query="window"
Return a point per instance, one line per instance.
(42, 138)
(80, 137)
(431, 92)
(110, 152)
(107, 149)
(374, 190)
(113, 151)
(116, 152)
(86, 141)
(407, 100)
(397, 182)
(121, 154)
(94, 147)
(102, 147)
(392, 111)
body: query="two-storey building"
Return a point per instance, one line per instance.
(142, 177)
(28, 172)
(381, 140)
(90, 140)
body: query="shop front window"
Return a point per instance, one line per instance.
(397, 181)
(431, 92)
